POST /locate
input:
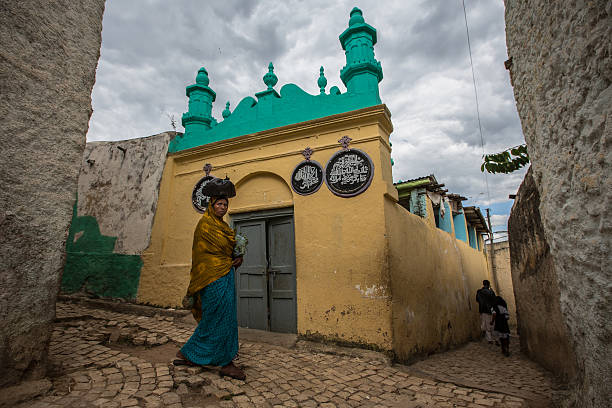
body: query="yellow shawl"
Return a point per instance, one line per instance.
(211, 254)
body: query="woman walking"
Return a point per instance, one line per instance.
(499, 319)
(215, 339)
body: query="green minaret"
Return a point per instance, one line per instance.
(362, 72)
(198, 118)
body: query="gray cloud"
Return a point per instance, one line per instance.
(151, 50)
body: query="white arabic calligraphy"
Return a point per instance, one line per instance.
(349, 169)
(308, 176)
(201, 199)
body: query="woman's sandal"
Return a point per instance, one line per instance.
(178, 362)
(231, 370)
(182, 360)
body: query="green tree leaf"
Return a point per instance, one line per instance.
(506, 161)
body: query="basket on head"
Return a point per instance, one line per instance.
(219, 188)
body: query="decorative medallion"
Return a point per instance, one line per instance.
(349, 172)
(345, 141)
(198, 199)
(307, 177)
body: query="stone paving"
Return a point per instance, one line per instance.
(90, 372)
(469, 365)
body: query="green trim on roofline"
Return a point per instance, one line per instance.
(403, 189)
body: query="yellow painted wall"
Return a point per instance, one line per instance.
(502, 279)
(342, 275)
(434, 281)
(431, 217)
(367, 271)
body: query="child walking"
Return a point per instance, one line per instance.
(499, 319)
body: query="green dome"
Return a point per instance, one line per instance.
(202, 77)
(322, 81)
(226, 112)
(270, 78)
(356, 17)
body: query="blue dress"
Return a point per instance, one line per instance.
(215, 340)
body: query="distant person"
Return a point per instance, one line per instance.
(486, 300)
(499, 318)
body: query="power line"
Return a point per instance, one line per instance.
(467, 31)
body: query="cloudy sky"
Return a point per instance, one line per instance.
(152, 49)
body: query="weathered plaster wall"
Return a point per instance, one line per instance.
(562, 73)
(48, 60)
(502, 276)
(119, 187)
(434, 278)
(541, 326)
(118, 192)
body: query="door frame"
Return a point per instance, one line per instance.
(255, 215)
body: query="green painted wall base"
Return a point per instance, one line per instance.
(114, 275)
(93, 267)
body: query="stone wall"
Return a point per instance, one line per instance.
(48, 61)
(561, 70)
(117, 199)
(502, 276)
(541, 326)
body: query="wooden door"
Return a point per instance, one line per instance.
(281, 275)
(266, 281)
(251, 277)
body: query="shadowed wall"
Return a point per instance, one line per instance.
(48, 62)
(541, 325)
(561, 71)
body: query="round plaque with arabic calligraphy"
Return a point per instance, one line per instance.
(198, 199)
(307, 177)
(349, 172)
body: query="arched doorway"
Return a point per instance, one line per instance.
(266, 281)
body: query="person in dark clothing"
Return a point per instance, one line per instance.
(499, 318)
(485, 297)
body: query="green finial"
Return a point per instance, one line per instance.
(322, 81)
(198, 117)
(270, 78)
(226, 112)
(356, 17)
(202, 77)
(362, 71)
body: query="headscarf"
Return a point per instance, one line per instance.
(211, 255)
(500, 301)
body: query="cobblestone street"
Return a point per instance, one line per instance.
(104, 358)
